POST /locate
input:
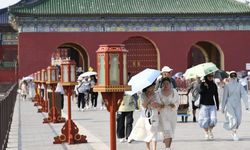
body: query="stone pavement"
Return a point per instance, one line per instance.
(29, 133)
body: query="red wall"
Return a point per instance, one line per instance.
(35, 49)
(1, 52)
(7, 76)
(8, 48)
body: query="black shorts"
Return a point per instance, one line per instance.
(193, 106)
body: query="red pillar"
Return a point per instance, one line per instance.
(54, 115)
(70, 130)
(112, 101)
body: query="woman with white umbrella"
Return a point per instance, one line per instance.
(209, 102)
(24, 89)
(146, 127)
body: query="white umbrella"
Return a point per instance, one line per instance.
(142, 79)
(87, 74)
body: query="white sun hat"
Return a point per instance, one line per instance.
(166, 69)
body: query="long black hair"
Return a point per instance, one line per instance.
(145, 89)
(165, 79)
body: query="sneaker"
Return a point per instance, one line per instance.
(130, 140)
(122, 140)
(210, 135)
(82, 109)
(235, 137)
(206, 136)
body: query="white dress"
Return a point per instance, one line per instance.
(142, 131)
(24, 89)
(168, 115)
(231, 104)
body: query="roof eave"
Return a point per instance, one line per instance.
(134, 14)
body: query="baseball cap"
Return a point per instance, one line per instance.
(166, 69)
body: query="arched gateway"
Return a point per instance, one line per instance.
(205, 51)
(71, 51)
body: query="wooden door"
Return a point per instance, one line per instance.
(142, 54)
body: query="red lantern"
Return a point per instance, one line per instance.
(39, 76)
(43, 100)
(68, 73)
(52, 75)
(35, 77)
(112, 80)
(43, 76)
(54, 115)
(36, 98)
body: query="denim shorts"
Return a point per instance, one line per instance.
(207, 116)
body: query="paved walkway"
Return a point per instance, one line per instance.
(29, 133)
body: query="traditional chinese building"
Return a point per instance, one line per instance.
(178, 33)
(8, 49)
(9, 46)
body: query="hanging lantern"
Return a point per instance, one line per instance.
(68, 73)
(112, 68)
(52, 75)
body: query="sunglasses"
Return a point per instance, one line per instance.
(233, 75)
(166, 72)
(210, 76)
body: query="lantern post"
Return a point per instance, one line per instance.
(36, 98)
(70, 130)
(112, 81)
(38, 81)
(54, 115)
(44, 99)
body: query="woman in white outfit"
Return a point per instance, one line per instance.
(168, 113)
(32, 89)
(146, 127)
(24, 89)
(231, 104)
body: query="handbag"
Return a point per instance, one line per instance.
(151, 120)
(197, 101)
